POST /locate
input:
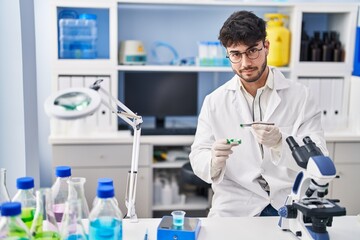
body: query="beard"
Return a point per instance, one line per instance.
(255, 78)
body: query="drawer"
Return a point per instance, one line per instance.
(93, 155)
(347, 152)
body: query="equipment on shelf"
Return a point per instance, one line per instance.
(303, 214)
(76, 103)
(279, 37)
(132, 52)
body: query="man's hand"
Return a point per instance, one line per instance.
(267, 135)
(220, 150)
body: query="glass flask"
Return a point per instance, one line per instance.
(102, 182)
(60, 190)
(11, 225)
(44, 226)
(105, 219)
(77, 191)
(4, 194)
(25, 195)
(72, 227)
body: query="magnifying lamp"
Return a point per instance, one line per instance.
(75, 103)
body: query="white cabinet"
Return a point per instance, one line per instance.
(94, 161)
(345, 188)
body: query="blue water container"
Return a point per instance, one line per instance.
(356, 70)
(78, 37)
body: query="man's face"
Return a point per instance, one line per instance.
(253, 60)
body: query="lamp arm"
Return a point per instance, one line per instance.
(135, 122)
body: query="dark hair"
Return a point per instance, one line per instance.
(242, 27)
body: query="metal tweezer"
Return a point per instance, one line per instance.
(250, 124)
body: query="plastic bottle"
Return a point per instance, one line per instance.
(105, 182)
(166, 194)
(279, 37)
(11, 225)
(60, 190)
(157, 190)
(175, 190)
(105, 218)
(72, 227)
(77, 191)
(25, 195)
(4, 194)
(44, 226)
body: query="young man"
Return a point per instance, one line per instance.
(252, 178)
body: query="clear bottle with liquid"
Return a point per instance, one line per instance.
(105, 182)
(72, 227)
(25, 195)
(4, 194)
(77, 191)
(11, 225)
(105, 218)
(60, 190)
(44, 226)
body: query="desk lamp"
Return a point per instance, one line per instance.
(74, 103)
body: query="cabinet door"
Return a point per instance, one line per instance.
(119, 175)
(346, 189)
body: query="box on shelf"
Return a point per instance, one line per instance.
(78, 37)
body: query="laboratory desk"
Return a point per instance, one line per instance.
(249, 228)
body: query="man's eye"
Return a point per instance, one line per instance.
(235, 54)
(252, 51)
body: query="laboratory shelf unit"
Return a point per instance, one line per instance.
(182, 24)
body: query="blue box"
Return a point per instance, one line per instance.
(167, 231)
(356, 70)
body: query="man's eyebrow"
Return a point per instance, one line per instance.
(236, 51)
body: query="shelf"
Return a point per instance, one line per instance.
(167, 164)
(192, 203)
(168, 68)
(323, 69)
(208, 3)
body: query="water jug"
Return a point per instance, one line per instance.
(279, 38)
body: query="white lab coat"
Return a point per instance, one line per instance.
(236, 191)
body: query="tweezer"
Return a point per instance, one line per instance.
(250, 124)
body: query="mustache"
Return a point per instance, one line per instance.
(248, 68)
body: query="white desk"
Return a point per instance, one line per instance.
(254, 228)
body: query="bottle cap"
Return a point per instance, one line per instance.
(63, 171)
(105, 191)
(25, 183)
(11, 209)
(105, 182)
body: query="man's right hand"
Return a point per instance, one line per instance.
(220, 150)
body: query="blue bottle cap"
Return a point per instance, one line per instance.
(25, 183)
(105, 182)
(105, 191)
(10, 209)
(63, 171)
(87, 16)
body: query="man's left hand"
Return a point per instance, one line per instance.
(267, 135)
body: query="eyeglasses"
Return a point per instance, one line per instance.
(252, 54)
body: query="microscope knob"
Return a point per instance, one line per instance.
(288, 211)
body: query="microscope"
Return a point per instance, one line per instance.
(306, 212)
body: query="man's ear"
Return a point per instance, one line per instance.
(267, 46)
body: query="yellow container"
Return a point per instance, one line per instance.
(279, 38)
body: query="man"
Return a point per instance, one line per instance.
(252, 178)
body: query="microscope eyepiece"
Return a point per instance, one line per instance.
(292, 143)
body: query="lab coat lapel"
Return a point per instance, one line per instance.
(239, 101)
(280, 82)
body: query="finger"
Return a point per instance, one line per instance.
(222, 146)
(263, 127)
(222, 153)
